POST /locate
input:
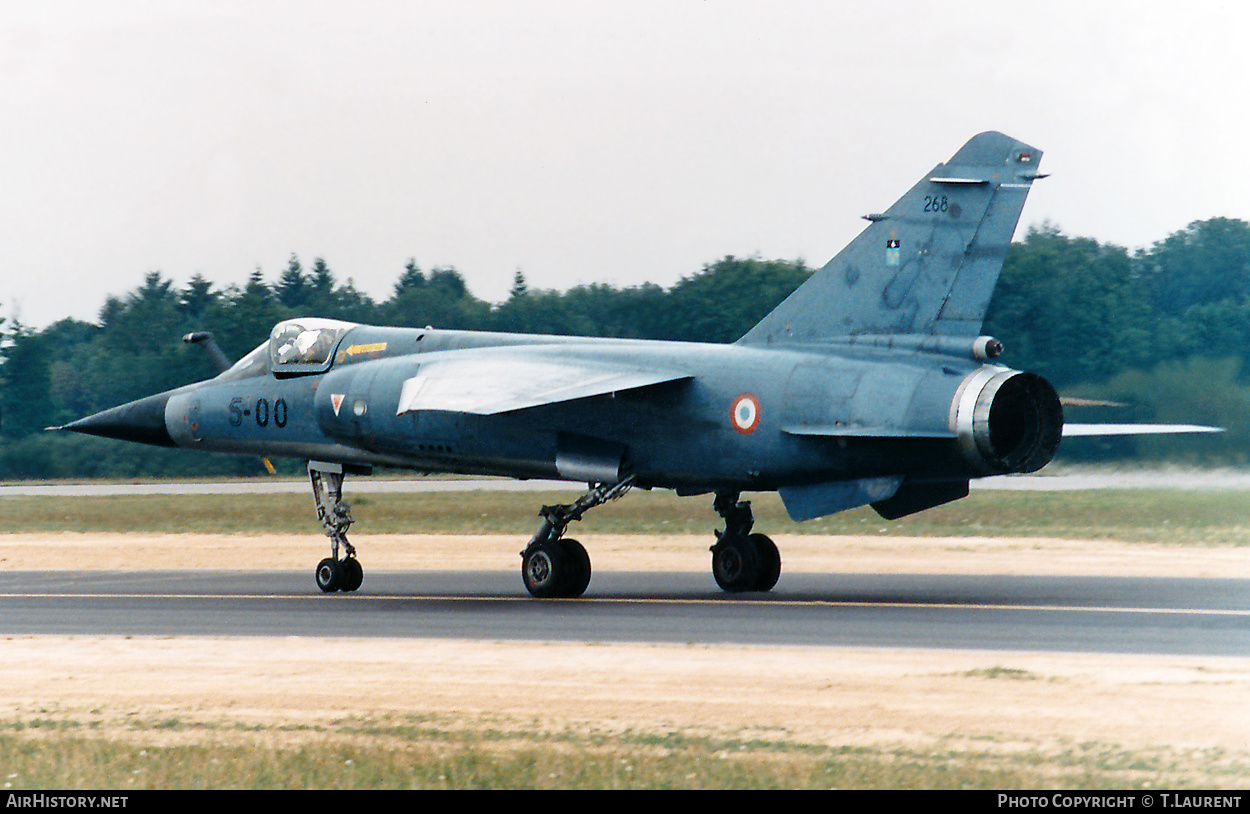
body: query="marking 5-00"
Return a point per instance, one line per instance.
(261, 411)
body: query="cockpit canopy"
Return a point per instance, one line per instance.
(295, 346)
(304, 345)
(304, 341)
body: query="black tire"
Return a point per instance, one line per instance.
(770, 561)
(578, 564)
(351, 574)
(735, 564)
(544, 568)
(329, 575)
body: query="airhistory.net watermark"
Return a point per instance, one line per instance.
(42, 800)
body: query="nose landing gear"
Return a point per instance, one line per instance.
(334, 574)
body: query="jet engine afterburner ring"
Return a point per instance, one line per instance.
(1007, 421)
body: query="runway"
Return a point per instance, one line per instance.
(1122, 615)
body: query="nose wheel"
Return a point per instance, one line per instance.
(339, 575)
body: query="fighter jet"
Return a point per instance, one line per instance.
(870, 385)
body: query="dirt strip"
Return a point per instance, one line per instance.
(843, 696)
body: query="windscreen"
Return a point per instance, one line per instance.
(255, 363)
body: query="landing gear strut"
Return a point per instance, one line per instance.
(742, 561)
(554, 566)
(334, 574)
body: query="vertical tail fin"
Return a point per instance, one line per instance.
(928, 264)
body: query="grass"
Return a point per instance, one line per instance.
(1130, 515)
(416, 753)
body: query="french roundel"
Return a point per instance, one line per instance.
(745, 413)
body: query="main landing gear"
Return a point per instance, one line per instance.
(554, 566)
(742, 561)
(334, 574)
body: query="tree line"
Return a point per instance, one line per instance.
(1162, 333)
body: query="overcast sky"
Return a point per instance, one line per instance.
(618, 142)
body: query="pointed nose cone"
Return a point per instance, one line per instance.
(142, 421)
